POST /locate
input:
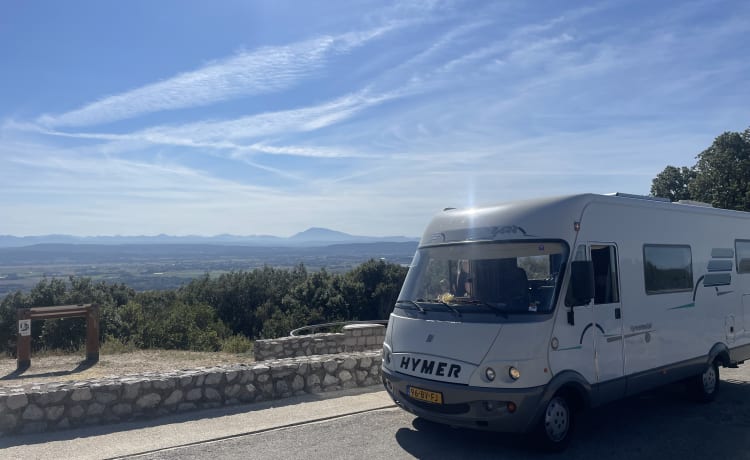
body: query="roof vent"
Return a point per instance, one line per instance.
(695, 203)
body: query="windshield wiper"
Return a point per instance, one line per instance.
(499, 307)
(413, 304)
(443, 303)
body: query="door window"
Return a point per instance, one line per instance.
(606, 287)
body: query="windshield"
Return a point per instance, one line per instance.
(495, 277)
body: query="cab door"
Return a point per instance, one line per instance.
(607, 318)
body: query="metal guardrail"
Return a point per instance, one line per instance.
(315, 327)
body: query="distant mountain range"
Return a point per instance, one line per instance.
(314, 236)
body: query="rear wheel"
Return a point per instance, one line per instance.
(705, 386)
(555, 428)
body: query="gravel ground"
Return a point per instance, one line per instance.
(66, 368)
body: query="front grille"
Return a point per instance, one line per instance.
(451, 409)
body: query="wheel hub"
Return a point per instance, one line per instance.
(557, 419)
(709, 380)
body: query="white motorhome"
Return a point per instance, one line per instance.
(516, 316)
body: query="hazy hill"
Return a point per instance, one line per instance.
(311, 237)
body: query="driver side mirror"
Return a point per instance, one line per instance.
(582, 282)
(581, 289)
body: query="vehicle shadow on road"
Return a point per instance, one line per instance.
(661, 424)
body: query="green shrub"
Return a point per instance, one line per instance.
(237, 344)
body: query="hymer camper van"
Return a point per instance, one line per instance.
(515, 317)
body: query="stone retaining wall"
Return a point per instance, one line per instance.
(42, 407)
(355, 338)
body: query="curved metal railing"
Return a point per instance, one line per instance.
(315, 327)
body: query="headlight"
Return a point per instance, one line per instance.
(514, 373)
(489, 373)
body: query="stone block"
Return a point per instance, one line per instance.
(17, 401)
(105, 397)
(260, 369)
(186, 406)
(50, 397)
(232, 391)
(95, 409)
(298, 383)
(349, 363)
(165, 384)
(345, 375)
(8, 422)
(281, 387)
(130, 391)
(174, 397)
(122, 409)
(33, 413)
(148, 401)
(76, 412)
(330, 380)
(53, 413)
(312, 380)
(212, 394)
(330, 366)
(213, 378)
(247, 376)
(194, 395)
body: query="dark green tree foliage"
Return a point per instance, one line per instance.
(721, 176)
(722, 173)
(673, 183)
(262, 303)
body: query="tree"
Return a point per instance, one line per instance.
(721, 176)
(673, 183)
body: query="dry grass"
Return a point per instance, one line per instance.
(49, 368)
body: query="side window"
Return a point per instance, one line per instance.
(667, 268)
(742, 253)
(606, 289)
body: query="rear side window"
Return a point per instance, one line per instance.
(742, 252)
(667, 268)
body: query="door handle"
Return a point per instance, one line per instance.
(618, 314)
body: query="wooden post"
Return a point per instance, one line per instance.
(92, 334)
(89, 311)
(23, 343)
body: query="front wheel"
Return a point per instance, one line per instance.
(705, 386)
(555, 428)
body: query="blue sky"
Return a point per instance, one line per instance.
(269, 117)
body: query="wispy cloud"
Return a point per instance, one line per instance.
(265, 70)
(227, 134)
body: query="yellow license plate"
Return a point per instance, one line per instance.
(426, 395)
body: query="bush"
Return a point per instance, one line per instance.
(237, 344)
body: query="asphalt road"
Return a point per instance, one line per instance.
(663, 424)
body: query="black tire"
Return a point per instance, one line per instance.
(705, 386)
(554, 430)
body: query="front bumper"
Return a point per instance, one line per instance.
(471, 407)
